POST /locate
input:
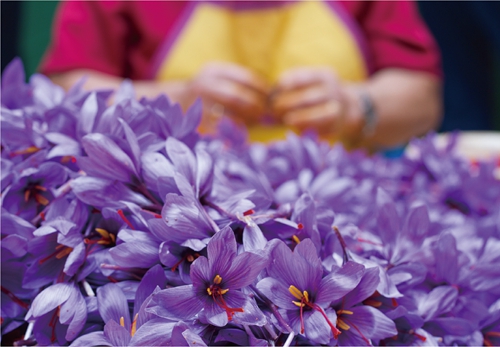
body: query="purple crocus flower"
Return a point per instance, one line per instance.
(59, 313)
(183, 221)
(179, 258)
(215, 289)
(33, 191)
(119, 329)
(297, 286)
(361, 323)
(15, 92)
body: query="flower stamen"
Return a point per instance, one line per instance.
(304, 301)
(342, 325)
(133, 327)
(216, 292)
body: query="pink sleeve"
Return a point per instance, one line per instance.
(90, 35)
(398, 37)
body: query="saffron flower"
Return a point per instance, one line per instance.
(214, 294)
(297, 286)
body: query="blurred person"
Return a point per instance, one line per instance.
(367, 73)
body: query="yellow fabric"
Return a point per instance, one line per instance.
(268, 41)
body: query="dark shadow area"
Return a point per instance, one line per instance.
(468, 34)
(10, 30)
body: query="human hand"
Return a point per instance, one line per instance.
(314, 98)
(232, 90)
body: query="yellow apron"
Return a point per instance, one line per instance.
(268, 38)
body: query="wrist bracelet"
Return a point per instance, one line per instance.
(369, 114)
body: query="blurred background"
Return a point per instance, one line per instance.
(467, 32)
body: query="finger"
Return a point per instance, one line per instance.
(238, 74)
(303, 77)
(289, 101)
(324, 118)
(236, 98)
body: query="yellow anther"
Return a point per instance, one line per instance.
(344, 312)
(31, 149)
(295, 292)
(299, 304)
(342, 325)
(306, 295)
(112, 237)
(223, 291)
(42, 200)
(217, 279)
(102, 232)
(133, 328)
(64, 252)
(190, 258)
(27, 195)
(296, 239)
(122, 321)
(209, 291)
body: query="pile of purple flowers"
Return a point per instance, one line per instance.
(122, 226)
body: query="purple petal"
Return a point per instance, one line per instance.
(116, 334)
(182, 157)
(190, 120)
(175, 303)
(135, 151)
(339, 283)
(439, 301)
(113, 304)
(155, 165)
(372, 322)
(316, 328)
(14, 225)
(244, 269)
(95, 338)
(76, 309)
(204, 173)
(388, 220)
(75, 259)
(293, 269)
(153, 278)
(251, 315)
(486, 277)
(136, 254)
(237, 337)
(101, 193)
(15, 245)
(50, 298)
(38, 275)
(105, 159)
(65, 146)
(216, 315)
(417, 223)
(184, 220)
(200, 272)
(221, 251)
(88, 114)
(156, 332)
(364, 289)
(447, 258)
(277, 292)
(449, 326)
(253, 238)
